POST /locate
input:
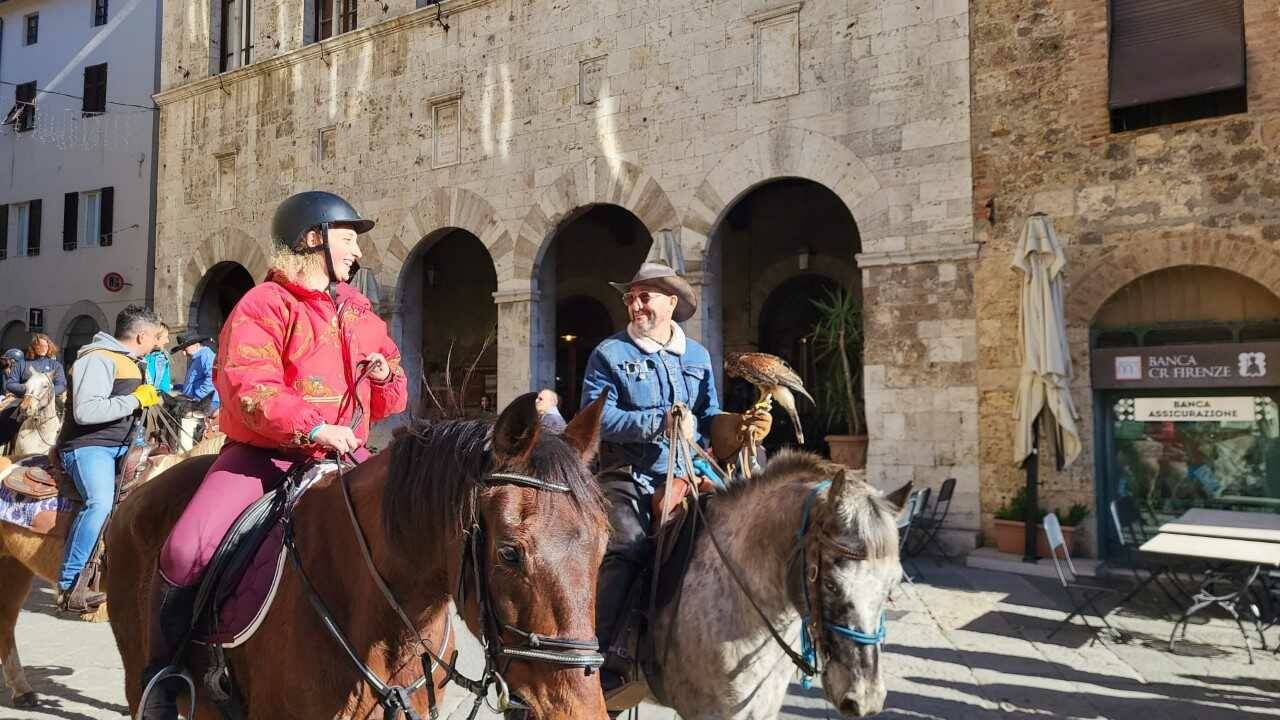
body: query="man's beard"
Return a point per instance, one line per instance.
(644, 323)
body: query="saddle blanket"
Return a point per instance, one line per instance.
(45, 517)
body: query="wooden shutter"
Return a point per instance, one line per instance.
(70, 220)
(107, 215)
(33, 229)
(1170, 49)
(4, 231)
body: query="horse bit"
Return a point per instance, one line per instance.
(533, 647)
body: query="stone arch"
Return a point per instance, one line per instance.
(12, 314)
(74, 311)
(838, 270)
(446, 208)
(1092, 287)
(780, 153)
(594, 181)
(228, 244)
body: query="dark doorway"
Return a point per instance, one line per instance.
(224, 285)
(582, 323)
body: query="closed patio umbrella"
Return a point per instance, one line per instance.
(1045, 379)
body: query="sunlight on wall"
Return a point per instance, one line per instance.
(99, 39)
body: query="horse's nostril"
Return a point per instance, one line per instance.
(849, 706)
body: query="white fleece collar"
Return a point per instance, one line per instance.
(675, 345)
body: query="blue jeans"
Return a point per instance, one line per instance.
(93, 469)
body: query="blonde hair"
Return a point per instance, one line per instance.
(296, 267)
(37, 337)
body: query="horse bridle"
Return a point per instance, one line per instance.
(811, 539)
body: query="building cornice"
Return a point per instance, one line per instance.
(420, 17)
(946, 253)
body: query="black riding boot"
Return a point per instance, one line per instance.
(171, 609)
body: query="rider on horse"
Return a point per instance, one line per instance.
(303, 353)
(107, 395)
(646, 371)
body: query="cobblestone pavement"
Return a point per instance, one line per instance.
(963, 643)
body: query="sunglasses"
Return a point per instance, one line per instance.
(644, 297)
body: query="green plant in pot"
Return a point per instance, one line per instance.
(1010, 535)
(837, 343)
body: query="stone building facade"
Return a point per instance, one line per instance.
(751, 143)
(1183, 217)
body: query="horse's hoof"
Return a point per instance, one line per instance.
(97, 615)
(26, 700)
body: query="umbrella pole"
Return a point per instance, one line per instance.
(1032, 465)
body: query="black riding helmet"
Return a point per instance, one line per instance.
(315, 210)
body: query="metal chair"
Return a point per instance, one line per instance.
(1132, 534)
(915, 504)
(925, 529)
(1083, 596)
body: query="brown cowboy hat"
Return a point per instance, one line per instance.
(661, 276)
(187, 339)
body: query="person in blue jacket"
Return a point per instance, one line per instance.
(42, 357)
(158, 365)
(644, 372)
(198, 385)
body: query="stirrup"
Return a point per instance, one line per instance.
(172, 671)
(627, 695)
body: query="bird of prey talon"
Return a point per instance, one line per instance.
(773, 378)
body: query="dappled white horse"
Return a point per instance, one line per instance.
(38, 417)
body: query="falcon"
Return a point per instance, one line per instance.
(772, 378)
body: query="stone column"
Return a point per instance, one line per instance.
(707, 325)
(519, 340)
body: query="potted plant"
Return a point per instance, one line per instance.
(837, 344)
(1010, 533)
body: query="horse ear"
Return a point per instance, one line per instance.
(517, 428)
(583, 432)
(898, 498)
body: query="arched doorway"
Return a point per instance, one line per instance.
(582, 322)
(15, 335)
(777, 248)
(595, 245)
(449, 323)
(79, 334)
(1185, 367)
(222, 288)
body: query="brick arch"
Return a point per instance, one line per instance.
(444, 208)
(594, 181)
(226, 245)
(1091, 288)
(784, 152)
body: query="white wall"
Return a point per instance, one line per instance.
(68, 153)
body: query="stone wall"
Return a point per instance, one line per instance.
(524, 112)
(1125, 204)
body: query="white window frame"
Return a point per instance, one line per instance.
(90, 222)
(21, 230)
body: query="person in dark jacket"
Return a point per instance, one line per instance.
(107, 393)
(15, 361)
(42, 356)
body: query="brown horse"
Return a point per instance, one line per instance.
(432, 493)
(25, 554)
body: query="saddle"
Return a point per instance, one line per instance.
(240, 584)
(41, 477)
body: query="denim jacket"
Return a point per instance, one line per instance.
(640, 387)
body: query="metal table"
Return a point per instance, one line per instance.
(1248, 540)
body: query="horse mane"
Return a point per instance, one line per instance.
(868, 510)
(437, 471)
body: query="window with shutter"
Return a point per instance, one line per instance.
(90, 217)
(348, 15)
(1175, 60)
(95, 90)
(99, 12)
(324, 19)
(29, 228)
(70, 220)
(23, 114)
(32, 26)
(4, 231)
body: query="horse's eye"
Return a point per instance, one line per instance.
(830, 585)
(510, 554)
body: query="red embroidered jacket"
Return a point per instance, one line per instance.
(281, 369)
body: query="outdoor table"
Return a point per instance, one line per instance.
(1233, 524)
(1225, 591)
(1272, 504)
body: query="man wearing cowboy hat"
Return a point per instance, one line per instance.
(198, 387)
(646, 372)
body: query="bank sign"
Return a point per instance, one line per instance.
(1187, 366)
(1204, 409)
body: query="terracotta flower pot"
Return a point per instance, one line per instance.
(848, 450)
(1011, 538)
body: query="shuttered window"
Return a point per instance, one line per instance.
(1165, 51)
(95, 90)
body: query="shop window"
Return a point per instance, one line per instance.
(1175, 60)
